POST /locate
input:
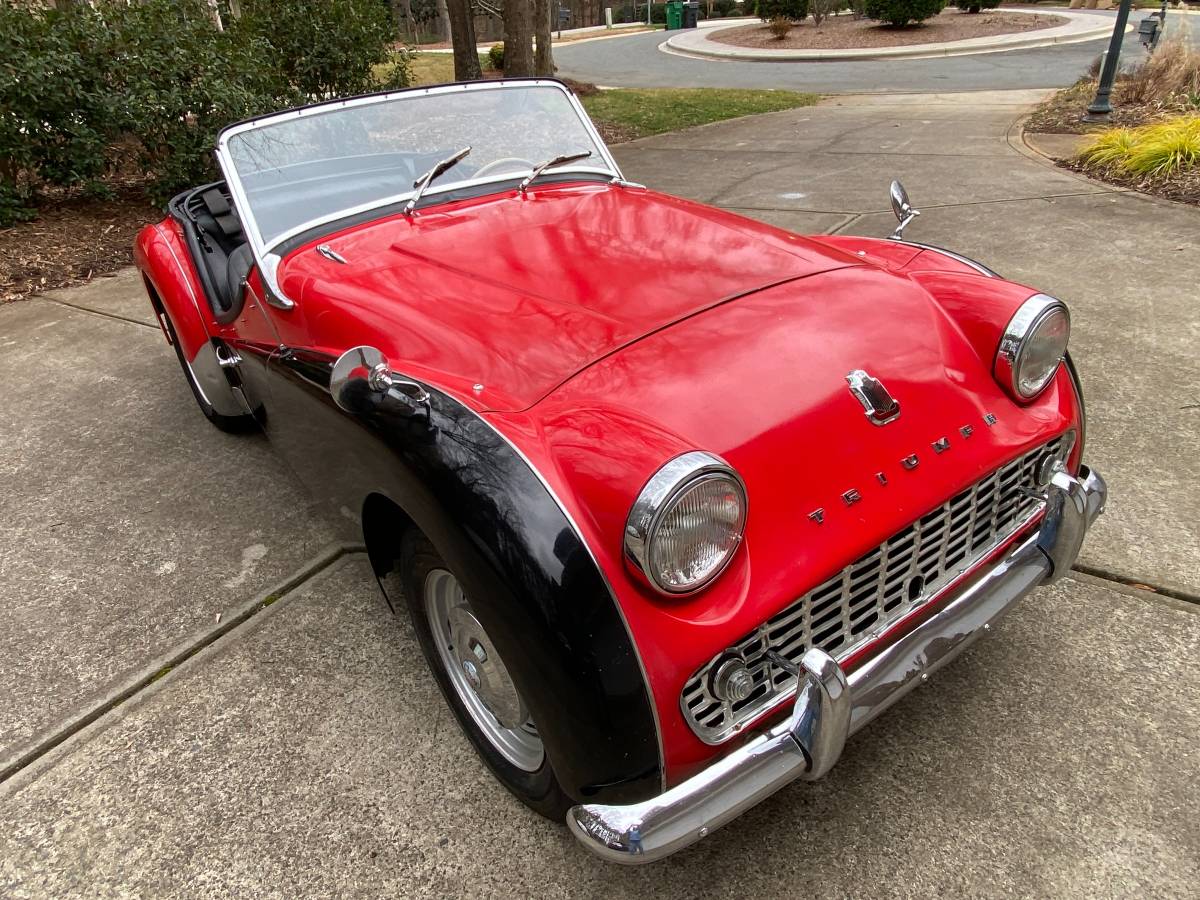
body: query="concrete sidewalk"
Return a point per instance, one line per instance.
(306, 751)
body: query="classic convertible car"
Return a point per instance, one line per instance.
(677, 501)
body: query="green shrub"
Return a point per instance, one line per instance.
(496, 57)
(974, 6)
(95, 88)
(795, 10)
(56, 112)
(901, 12)
(724, 8)
(323, 49)
(180, 81)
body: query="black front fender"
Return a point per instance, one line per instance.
(532, 581)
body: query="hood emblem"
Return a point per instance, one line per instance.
(881, 407)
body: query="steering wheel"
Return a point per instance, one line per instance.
(504, 161)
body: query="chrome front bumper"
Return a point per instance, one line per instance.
(830, 706)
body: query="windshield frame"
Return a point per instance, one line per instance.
(265, 255)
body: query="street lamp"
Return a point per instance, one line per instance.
(1099, 109)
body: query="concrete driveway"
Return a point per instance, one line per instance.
(305, 750)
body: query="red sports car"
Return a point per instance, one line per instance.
(677, 501)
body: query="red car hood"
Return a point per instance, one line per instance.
(762, 383)
(519, 294)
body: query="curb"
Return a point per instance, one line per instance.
(697, 46)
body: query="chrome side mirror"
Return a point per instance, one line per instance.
(361, 372)
(902, 208)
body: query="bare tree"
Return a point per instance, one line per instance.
(444, 18)
(543, 13)
(462, 37)
(518, 37)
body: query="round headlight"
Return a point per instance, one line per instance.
(1033, 346)
(686, 523)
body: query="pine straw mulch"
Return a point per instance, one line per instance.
(1183, 187)
(844, 32)
(72, 240)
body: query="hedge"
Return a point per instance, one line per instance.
(794, 10)
(901, 12)
(94, 89)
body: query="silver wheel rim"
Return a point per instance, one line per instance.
(478, 675)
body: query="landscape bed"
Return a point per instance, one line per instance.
(845, 32)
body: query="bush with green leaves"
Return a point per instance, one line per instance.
(794, 10)
(96, 88)
(325, 48)
(496, 57)
(974, 6)
(901, 12)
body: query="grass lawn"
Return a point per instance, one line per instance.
(638, 113)
(626, 113)
(435, 68)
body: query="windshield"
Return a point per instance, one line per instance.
(299, 169)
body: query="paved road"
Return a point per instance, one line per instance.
(306, 751)
(635, 61)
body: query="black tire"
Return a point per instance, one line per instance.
(539, 790)
(229, 424)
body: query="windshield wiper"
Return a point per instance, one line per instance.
(427, 179)
(550, 164)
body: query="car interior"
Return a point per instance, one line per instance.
(218, 246)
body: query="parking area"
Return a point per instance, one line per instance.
(206, 697)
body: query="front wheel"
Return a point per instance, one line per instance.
(474, 680)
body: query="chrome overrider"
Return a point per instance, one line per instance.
(830, 705)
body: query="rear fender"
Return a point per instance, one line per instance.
(174, 289)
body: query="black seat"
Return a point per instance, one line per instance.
(226, 252)
(236, 272)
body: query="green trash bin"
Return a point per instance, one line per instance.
(674, 15)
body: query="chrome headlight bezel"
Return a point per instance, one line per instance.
(1029, 318)
(657, 499)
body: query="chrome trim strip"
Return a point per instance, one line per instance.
(957, 257)
(832, 706)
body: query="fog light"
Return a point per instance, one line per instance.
(732, 681)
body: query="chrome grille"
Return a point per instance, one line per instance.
(869, 595)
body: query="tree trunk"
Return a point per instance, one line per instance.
(444, 18)
(543, 62)
(462, 36)
(518, 37)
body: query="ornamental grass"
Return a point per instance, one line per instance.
(1161, 150)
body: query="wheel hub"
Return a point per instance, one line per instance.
(484, 670)
(478, 674)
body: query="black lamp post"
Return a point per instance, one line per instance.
(1099, 109)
